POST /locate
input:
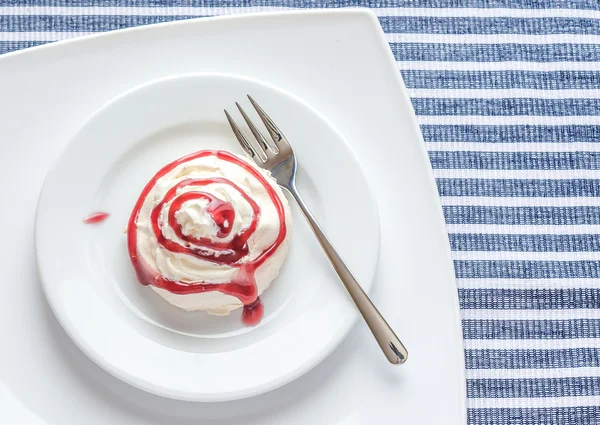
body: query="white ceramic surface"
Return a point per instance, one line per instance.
(339, 63)
(127, 328)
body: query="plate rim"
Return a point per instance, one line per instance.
(142, 384)
(352, 10)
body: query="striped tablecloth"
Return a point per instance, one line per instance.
(507, 93)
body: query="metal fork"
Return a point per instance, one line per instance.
(276, 155)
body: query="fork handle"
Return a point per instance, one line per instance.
(390, 344)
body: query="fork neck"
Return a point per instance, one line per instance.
(290, 186)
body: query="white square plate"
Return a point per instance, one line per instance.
(339, 63)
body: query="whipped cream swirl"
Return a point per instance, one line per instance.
(210, 231)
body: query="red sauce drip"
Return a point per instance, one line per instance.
(243, 286)
(253, 313)
(96, 217)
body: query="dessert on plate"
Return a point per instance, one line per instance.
(210, 231)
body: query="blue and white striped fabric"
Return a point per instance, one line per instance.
(508, 97)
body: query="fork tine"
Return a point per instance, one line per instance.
(273, 130)
(262, 142)
(240, 137)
